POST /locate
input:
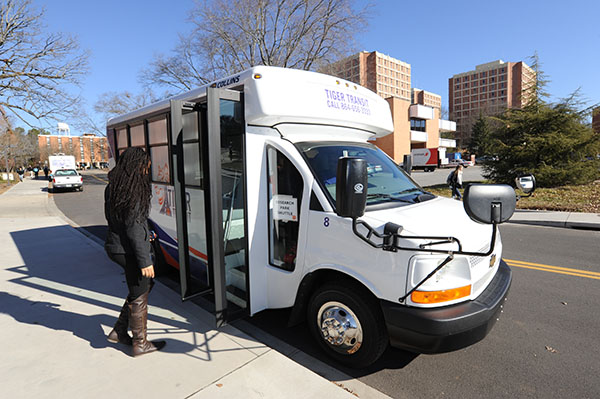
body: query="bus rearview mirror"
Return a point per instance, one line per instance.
(526, 183)
(351, 187)
(489, 203)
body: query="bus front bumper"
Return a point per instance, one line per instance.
(451, 327)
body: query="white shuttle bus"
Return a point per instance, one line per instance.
(268, 194)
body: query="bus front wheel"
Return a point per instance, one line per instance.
(347, 324)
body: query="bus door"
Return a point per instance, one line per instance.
(209, 176)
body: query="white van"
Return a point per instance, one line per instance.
(268, 194)
(60, 161)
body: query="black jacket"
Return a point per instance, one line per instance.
(127, 238)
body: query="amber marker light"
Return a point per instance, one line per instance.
(257, 76)
(440, 296)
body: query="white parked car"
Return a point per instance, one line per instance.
(67, 179)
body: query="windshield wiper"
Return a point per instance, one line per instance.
(408, 190)
(387, 196)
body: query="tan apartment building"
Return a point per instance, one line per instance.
(416, 113)
(596, 120)
(487, 90)
(386, 76)
(87, 149)
(423, 97)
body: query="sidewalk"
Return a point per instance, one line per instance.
(574, 220)
(60, 296)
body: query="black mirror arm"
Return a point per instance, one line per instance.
(524, 196)
(390, 241)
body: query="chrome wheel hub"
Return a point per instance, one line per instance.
(340, 327)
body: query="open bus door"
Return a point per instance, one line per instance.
(209, 179)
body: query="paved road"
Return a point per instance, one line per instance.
(86, 208)
(545, 344)
(438, 176)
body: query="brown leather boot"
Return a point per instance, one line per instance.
(138, 318)
(119, 332)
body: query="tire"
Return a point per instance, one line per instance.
(81, 189)
(334, 305)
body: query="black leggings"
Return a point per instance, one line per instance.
(136, 283)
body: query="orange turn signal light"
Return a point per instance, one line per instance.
(440, 296)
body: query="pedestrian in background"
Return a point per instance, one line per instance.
(126, 207)
(455, 180)
(20, 172)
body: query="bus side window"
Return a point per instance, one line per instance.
(159, 150)
(122, 142)
(285, 199)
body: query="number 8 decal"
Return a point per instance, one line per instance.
(326, 222)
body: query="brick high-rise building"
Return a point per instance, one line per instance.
(488, 90)
(378, 72)
(423, 97)
(416, 113)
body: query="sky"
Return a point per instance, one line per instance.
(439, 38)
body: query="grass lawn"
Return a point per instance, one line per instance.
(4, 187)
(585, 198)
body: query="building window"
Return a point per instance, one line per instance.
(417, 124)
(59, 144)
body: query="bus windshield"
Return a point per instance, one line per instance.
(387, 183)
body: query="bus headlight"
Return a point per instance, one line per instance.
(448, 284)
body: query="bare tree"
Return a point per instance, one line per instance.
(16, 148)
(233, 35)
(38, 70)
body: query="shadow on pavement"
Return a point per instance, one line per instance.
(50, 315)
(53, 266)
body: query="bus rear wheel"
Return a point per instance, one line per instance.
(347, 324)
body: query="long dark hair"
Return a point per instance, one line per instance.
(130, 189)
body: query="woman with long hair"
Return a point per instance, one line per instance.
(456, 182)
(126, 207)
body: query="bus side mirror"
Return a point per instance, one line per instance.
(489, 203)
(351, 187)
(526, 183)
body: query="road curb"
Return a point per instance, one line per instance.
(568, 225)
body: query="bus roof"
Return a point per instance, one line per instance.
(275, 95)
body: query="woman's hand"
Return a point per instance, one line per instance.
(148, 271)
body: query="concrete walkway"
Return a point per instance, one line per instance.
(60, 296)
